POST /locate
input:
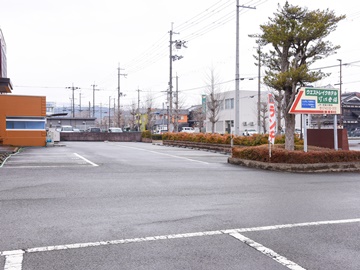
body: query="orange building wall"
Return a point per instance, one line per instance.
(12, 105)
(184, 120)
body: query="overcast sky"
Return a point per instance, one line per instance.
(52, 45)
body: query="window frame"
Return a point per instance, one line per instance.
(26, 123)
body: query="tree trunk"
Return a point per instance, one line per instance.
(279, 109)
(289, 124)
(289, 131)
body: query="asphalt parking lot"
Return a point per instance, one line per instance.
(143, 206)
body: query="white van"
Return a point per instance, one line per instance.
(188, 130)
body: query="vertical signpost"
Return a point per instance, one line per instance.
(272, 121)
(317, 101)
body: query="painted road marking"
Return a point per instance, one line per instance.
(15, 162)
(151, 151)
(293, 225)
(14, 257)
(13, 260)
(268, 252)
(88, 161)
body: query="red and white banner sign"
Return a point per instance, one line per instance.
(272, 118)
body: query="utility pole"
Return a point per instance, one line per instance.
(109, 111)
(73, 99)
(80, 110)
(177, 105)
(119, 93)
(93, 85)
(237, 73)
(138, 111)
(101, 115)
(170, 78)
(179, 44)
(259, 80)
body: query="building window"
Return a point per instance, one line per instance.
(229, 103)
(25, 123)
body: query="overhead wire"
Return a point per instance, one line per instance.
(150, 51)
(159, 49)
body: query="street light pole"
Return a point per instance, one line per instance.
(73, 99)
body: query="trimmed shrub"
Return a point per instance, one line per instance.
(146, 134)
(280, 155)
(254, 140)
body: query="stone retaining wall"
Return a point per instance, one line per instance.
(101, 136)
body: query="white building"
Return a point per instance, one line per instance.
(248, 116)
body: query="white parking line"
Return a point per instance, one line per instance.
(13, 258)
(268, 252)
(88, 161)
(193, 160)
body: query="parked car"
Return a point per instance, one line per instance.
(93, 129)
(188, 130)
(66, 129)
(355, 133)
(115, 130)
(249, 132)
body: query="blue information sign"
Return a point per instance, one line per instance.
(308, 104)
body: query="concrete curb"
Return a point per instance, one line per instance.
(298, 168)
(6, 152)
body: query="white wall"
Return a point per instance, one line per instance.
(248, 112)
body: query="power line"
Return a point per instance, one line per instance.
(158, 50)
(161, 94)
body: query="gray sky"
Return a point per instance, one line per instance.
(52, 45)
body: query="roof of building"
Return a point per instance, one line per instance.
(5, 85)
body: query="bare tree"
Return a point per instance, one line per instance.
(148, 105)
(179, 105)
(133, 112)
(214, 99)
(117, 118)
(280, 108)
(264, 115)
(198, 115)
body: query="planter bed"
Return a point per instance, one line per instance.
(300, 168)
(222, 148)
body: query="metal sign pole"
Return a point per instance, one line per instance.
(335, 133)
(305, 132)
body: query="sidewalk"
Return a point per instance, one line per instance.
(8, 149)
